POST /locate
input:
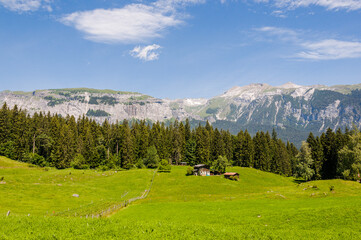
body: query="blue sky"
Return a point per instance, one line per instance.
(178, 48)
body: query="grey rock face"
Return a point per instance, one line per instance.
(312, 108)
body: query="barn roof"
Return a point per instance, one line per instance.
(231, 174)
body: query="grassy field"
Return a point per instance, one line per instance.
(259, 206)
(44, 191)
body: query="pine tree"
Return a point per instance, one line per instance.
(330, 152)
(228, 144)
(4, 123)
(187, 130)
(247, 150)
(127, 147)
(202, 145)
(217, 147)
(191, 152)
(262, 152)
(316, 154)
(237, 149)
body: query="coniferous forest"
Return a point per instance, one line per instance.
(64, 142)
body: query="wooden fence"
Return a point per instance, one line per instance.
(108, 210)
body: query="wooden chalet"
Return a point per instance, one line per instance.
(201, 170)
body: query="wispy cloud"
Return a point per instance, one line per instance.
(26, 5)
(318, 49)
(330, 49)
(134, 23)
(146, 53)
(349, 5)
(284, 34)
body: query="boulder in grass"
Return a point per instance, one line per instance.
(75, 195)
(2, 182)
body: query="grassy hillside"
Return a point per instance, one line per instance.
(259, 206)
(45, 191)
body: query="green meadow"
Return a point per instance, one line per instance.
(259, 206)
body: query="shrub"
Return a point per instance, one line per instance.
(233, 178)
(7, 149)
(79, 162)
(164, 166)
(103, 168)
(1, 178)
(332, 188)
(112, 161)
(34, 158)
(189, 171)
(140, 163)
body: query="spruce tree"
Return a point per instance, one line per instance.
(191, 152)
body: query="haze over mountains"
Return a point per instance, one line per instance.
(291, 109)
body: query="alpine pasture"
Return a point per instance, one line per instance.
(260, 205)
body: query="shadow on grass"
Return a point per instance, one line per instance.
(299, 181)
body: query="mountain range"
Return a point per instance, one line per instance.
(291, 109)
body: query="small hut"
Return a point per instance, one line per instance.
(201, 170)
(231, 175)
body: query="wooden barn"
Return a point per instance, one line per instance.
(201, 170)
(231, 174)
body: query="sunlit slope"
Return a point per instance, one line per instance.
(259, 206)
(44, 191)
(253, 184)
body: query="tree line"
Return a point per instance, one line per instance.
(331, 155)
(63, 142)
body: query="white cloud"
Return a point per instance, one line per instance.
(26, 5)
(279, 13)
(348, 5)
(134, 23)
(283, 34)
(330, 49)
(319, 49)
(146, 53)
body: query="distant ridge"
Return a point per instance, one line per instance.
(293, 109)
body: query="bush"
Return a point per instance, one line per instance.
(1, 178)
(79, 162)
(34, 158)
(233, 178)
(332, 188)
(164, 166)
(189, 171)
(140, 163)
(7, 149)
(112, 161)
(103, 168)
